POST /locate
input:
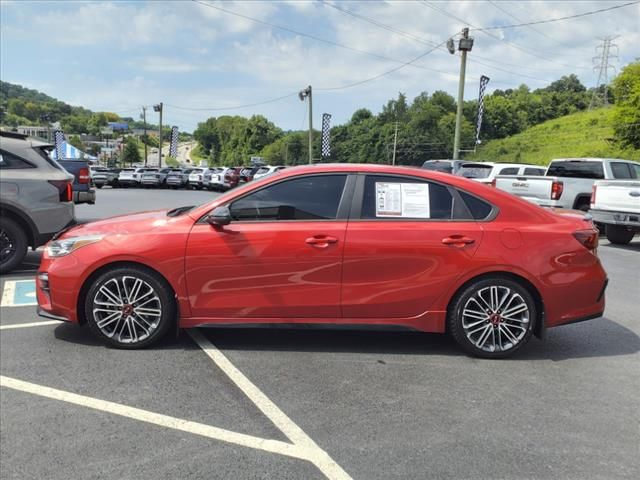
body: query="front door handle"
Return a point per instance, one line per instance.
(458, 240)
(321, 241)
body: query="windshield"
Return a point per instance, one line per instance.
(475, 171)
(576, 169)
(445, 167)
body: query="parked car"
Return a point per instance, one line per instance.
(105, 176)
(616, 204)
(267, 170)
(568, 182)
(446, 166)
(83, 191)
(213, 178)
(221, 178)
(333, 244)
(36, 197)
(247, 173)
(178, 178)
(157, 178)
(132, 177)
(486, 172)
(196, 178)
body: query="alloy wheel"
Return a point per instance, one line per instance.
(496, 318)
(127, 309)
(7, 246)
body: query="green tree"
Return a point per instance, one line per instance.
(626, 88)
(131, 154)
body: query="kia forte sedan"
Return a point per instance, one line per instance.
(332, 244)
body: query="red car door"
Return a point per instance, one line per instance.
(279, 258)
(403, 248)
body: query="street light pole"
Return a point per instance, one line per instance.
(464, 45)
(144, 119)
(158, 108)
(307, 93)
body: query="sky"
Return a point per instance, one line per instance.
(202, 62)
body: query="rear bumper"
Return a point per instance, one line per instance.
(45, 314)
(616, 218)
(84, 197)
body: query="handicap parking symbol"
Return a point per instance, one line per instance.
(19, 293)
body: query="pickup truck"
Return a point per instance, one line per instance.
(567, 182)
(83, 191)
(616, 204)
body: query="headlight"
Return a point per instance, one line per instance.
(64, 246)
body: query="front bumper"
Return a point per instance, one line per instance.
(616, 218)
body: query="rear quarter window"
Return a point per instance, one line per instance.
(10, 161)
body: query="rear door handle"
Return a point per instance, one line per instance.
(458, 240)
(321, 241)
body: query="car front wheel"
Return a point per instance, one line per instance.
(492, 317)
(129, 307)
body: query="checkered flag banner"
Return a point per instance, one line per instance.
(326, 140)
(173, 147)
(483, 86)
(58, 137)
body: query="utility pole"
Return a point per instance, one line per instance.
(601, 65)
(158, 108)
(465, 44)
(144, 119)
(395, 143)
(307, 93)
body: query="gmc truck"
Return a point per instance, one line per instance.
(616, 204)
(567, 182)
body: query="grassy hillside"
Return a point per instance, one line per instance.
(583, 134)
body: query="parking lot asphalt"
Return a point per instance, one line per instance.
(369, 405)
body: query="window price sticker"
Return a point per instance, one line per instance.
(402, 200)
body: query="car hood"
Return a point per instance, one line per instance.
(145, 222)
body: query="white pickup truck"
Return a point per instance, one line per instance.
(616, 204)
(567, 182)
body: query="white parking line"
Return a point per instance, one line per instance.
(30, 324)
(272, 446)
(317, 456)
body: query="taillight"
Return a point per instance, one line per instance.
(493, 183)
(83, 175)
(588, 238)
(556, 190)
(593, 195)
(64, 189)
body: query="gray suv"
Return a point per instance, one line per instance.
(36, 197)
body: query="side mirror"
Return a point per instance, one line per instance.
(219, 217)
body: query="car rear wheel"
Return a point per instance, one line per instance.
(618, 234)
(129, 307)
(492, 317)
(13, 245)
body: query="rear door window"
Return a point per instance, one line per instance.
(621, 170)
(389, 197)
(576, 169)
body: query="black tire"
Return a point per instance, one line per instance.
(13, 244)
(98, 187)
(494, 323)
(619, 235)
(165, 303)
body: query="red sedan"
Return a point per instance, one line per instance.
(332, 244)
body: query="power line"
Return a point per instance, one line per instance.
(557, 19)
(513, 45)
(318, 39)
(233, 107)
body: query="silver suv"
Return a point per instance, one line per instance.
(36, 197)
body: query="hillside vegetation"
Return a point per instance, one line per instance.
(582, 134)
